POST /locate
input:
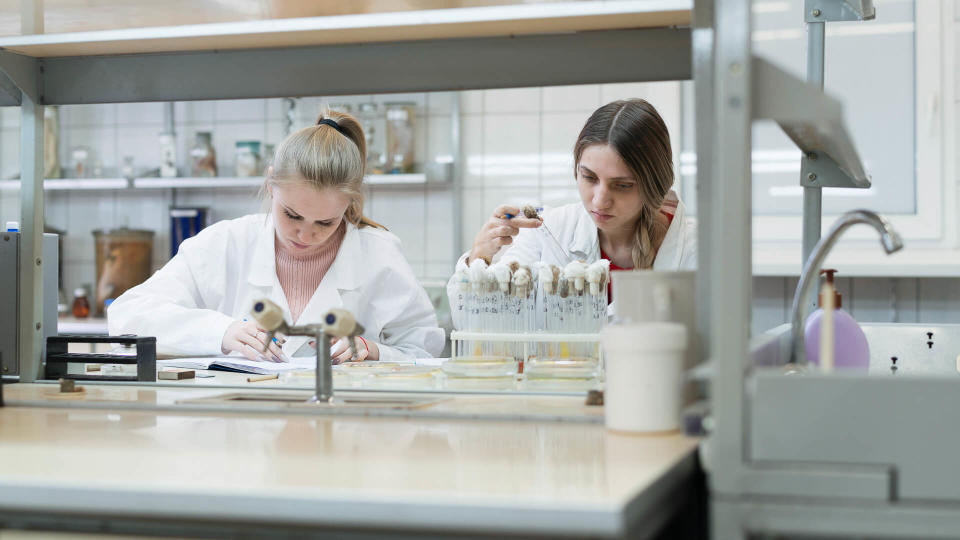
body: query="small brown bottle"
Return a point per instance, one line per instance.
(81, 306)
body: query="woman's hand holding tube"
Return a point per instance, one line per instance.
(498, 231)
(247, 338)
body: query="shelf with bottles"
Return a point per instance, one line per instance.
(86, 184)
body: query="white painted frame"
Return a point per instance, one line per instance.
(934, 224)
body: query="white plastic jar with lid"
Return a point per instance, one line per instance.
(644, 368)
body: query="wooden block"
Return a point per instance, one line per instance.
(175, 374)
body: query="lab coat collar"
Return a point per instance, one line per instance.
(671, 249)
(585, 243)
(263, 267)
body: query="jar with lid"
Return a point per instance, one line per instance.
(203, 158)
(370, 117)
(81, 306)
(248, 158)
(400, 137)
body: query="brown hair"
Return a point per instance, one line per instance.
(634, 129)
(326, 157)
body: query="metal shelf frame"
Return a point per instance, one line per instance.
(731, 89)
(499, 61)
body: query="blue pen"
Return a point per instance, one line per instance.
(275, 340)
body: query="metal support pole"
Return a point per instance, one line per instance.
(729, 237)
(30, 333)
(812, 196)
(702, 62)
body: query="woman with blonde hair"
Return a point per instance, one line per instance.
(627, 214)
(312, 251)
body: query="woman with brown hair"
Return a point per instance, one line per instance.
(312, 251)
(627, 214)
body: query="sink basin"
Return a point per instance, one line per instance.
(273, 400)
(929, 349)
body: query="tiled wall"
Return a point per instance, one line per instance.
(516, 146)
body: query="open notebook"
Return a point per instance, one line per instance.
(238, 363)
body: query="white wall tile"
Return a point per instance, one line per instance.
(233, 203)
(511, 100)
(56, 209)
(511, 150)
(438, 270)
(471, 139)
(471, 102)
(140, 113)
(10, 117)
(239, 110)
(615, 91)
(276, 109)
(440, 103)
(88, 115)
(9, 152)
(198, 197)
(439, 136)
(9, 206)
(475, 214)
(582, 98)
(438, 225)
(554, 196)
(403, 212)
(194, 112)
(768, 308)
(559, 133)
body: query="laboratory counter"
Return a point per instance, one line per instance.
(142, 458)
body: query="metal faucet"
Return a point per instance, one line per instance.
(889, 239)
(335, 323)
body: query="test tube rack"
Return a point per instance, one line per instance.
(529, 340)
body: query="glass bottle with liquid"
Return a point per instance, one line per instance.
(203, 158)
(81, 306)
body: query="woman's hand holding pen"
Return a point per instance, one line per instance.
(366, 350)
(499, 231)
(247, 338)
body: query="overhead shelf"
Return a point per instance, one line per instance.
(511, 46)
(86, 184)
(813, 121)
(486, 21)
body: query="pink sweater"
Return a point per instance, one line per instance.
(300, 275)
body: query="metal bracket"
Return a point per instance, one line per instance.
(20, 72)
(838, 10)
(10, 94)
(817, 169)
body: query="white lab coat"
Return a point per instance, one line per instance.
(577, 234)
(216, 276)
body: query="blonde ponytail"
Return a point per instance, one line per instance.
(330, 154)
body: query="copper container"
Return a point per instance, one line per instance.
(124, 259)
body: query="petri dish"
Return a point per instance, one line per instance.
(481, 367)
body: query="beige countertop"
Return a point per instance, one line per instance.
(343, 471)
